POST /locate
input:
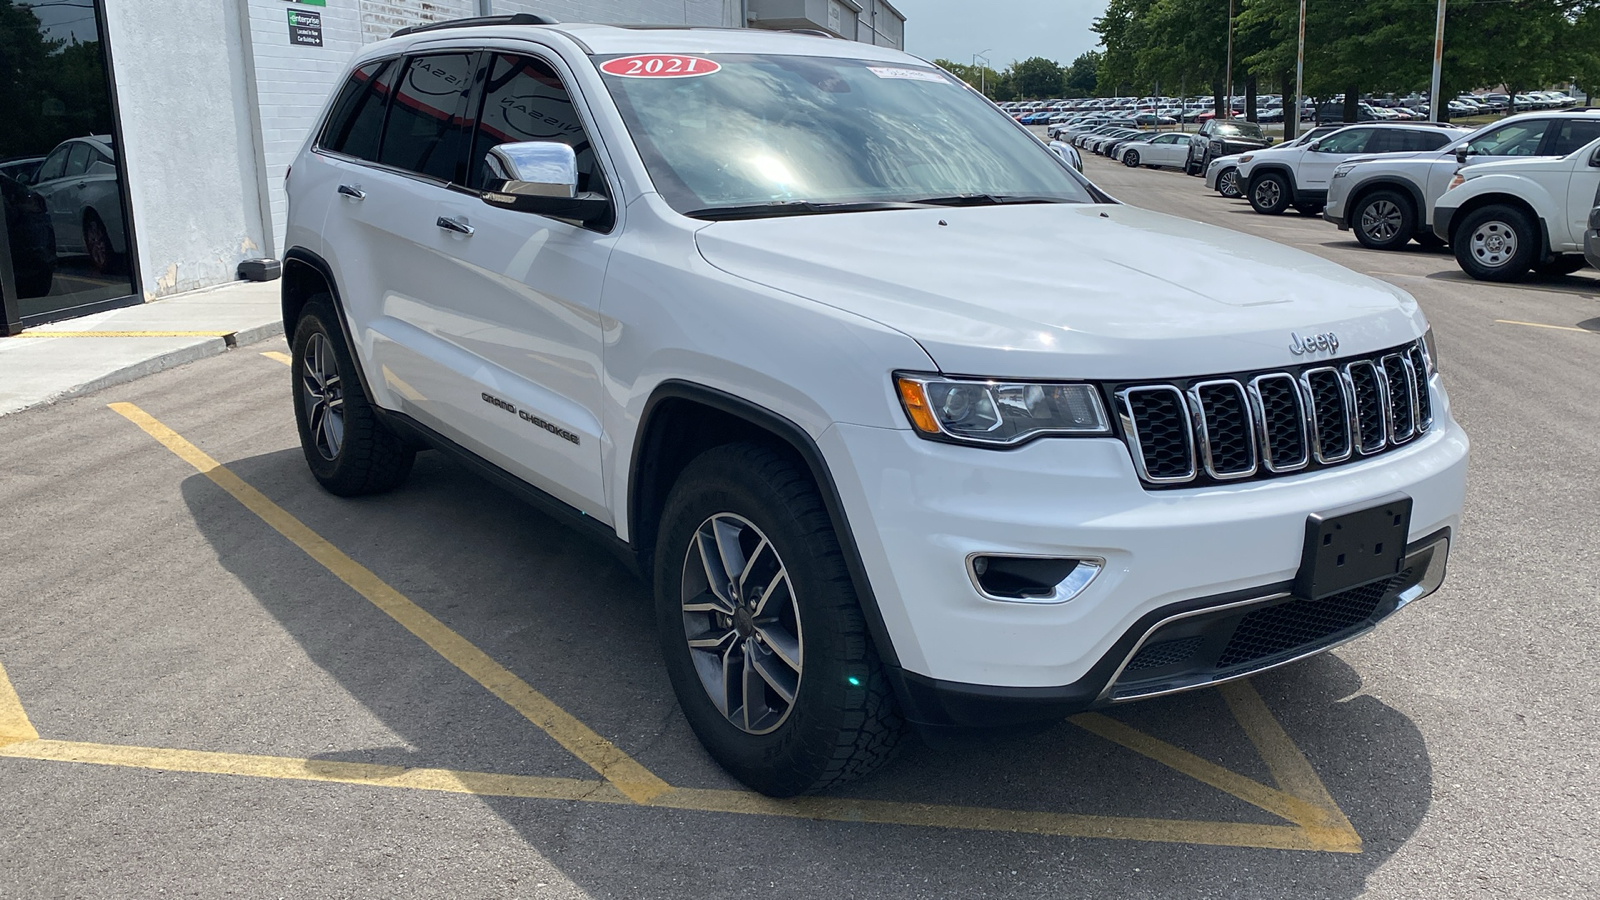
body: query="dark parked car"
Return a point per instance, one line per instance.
(22, 168)
(33, 241)
(1223, 137)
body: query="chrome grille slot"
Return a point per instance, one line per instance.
(1402, 402)
(1281, 418)
(1419, 369)
(1156, 421)
(1222, 418)
(1246, 426)
(1330, 414)
(1371, 418)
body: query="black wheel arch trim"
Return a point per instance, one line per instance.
(300, 256)
(1460, 213)
(1259, 171)
(810, 454)
(1361, 193)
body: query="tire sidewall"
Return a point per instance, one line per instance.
(1520, 262)
(1131, 159)
(317, 318)
(1408, 221)
(776, 763)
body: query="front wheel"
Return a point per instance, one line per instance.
(1384, 220)
(1131, 159)
(1228, 184)
(1495, 243)
(1269, 194)
(762, 634)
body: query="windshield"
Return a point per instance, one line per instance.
(813, 131)
(1238, 129)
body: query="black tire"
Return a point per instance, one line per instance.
(1308, 209)
(1427, 240)
(1131, 159)
(97, 244)
(1561, 265)
(1269, 193)
(1384, 220)
(1486, 259)
(842, 721)
(1228, 183)
(366, 456)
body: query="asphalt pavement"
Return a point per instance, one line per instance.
(219, 680)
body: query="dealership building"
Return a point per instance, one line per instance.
(144, 145)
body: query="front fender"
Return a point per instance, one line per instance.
(1512, 190)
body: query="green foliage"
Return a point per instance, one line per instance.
(1037, 77)
(981, 77)
(1380, 45)
(1081, 76)
(50, 90)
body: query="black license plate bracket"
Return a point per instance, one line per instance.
(1350, 548)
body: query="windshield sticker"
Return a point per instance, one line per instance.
(908, 74)
(660, 66)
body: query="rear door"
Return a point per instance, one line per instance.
(1572, 137)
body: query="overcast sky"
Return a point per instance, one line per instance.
(1009, 29)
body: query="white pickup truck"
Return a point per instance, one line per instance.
(1504, 218)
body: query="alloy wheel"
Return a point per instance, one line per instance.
(1268, 194)
(742, 623)
(1381, 220)
(324, 396)
(1493, 243)
(1229, 183)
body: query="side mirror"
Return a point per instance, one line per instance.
(1594, 158)
(1462, 152)
(541, 177)
(1315, 146)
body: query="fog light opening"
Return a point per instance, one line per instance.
(1029, 579)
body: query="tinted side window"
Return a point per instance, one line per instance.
(427, 130)
(1427, 140)
(1385, 140)
(53, 165)
(78, 162)
(357, 117)
(1571, 136)
(1351, 140)
(524, 100)
(1521, 138)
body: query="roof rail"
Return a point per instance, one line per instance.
(814, 32)
(1580, 109)
(475, 21)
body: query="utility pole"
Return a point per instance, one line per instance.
(1434, 100)
(1300, 67)
(1227, 108)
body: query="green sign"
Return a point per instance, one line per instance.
(310, 2)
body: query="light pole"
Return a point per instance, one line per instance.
(983, 73)
(1299, 68)
(1434, 100)
(1227, 108)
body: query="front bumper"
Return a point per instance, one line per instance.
(1441, 222)
(919, 509)
(1591, 247)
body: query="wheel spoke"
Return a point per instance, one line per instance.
(727, 534)
(780, 579)
(783, 680)
(712, 639)
(708, 602)
(750, 566)
(731, 669)
(783, 645)
(716, 574)
(752, 690)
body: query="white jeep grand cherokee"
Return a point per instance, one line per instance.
(762, 312)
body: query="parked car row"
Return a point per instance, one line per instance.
(1511, 197)
(78, 184)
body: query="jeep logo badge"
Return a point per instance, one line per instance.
(1326, 341)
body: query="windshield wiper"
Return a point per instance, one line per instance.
(988, 200)
(796, 208)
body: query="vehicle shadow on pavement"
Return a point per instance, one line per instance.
(566, 617)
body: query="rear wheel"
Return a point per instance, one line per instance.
(97, 243)
(1495, 243)
(1131, 159)
(760, 628)
(1384, 220)
(1269, 193)
(349, 449)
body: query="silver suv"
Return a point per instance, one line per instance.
(1388, 201)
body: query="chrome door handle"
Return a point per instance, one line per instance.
(458, 225)
(353, 192)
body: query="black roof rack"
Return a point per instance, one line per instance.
(813, 32)
(476, 21)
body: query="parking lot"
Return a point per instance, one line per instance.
(218, 680)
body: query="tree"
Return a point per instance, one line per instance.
(981, 77)
(1037, 77)
(1080, 77)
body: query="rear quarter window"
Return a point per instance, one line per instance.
(356, 119)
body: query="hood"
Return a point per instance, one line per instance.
(1067, 290)
(1520, 166)
(1430, 156)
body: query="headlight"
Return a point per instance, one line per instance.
(1431, 351)
(1247, 157)
(999, 413)
(1343, 170)
(1456, 181)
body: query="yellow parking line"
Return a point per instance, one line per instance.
(833, 809)
(633, 779)
(14, 724)
(1289, 767)
(280, 356)
(1541, 325)
(121, 334)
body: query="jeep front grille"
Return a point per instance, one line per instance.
(1263, 424)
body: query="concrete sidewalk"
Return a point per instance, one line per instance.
(77, 356)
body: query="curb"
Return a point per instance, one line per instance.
(205, 348)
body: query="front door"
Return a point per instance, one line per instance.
(1316, 166)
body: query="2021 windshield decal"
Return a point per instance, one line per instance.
(657, 65)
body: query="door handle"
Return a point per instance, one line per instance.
(458, 225)
(353, 192)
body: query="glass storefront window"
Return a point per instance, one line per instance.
(64, 241)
